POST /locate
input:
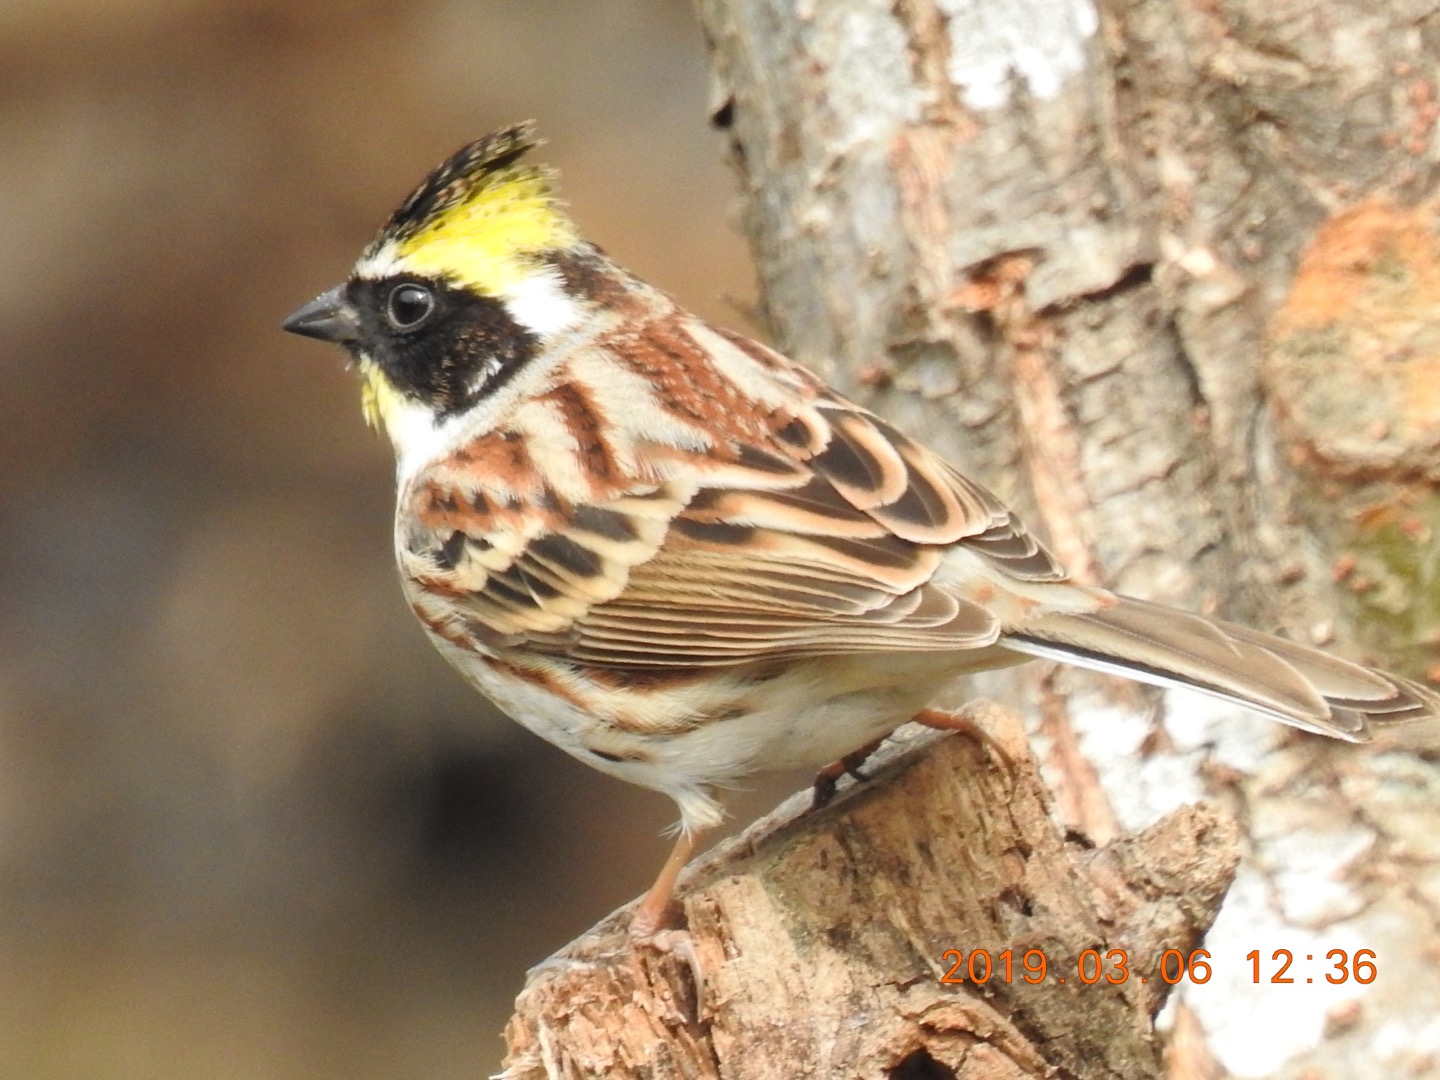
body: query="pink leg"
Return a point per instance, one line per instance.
(962, 724)
(655, 912)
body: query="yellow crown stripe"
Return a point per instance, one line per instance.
(486, 240)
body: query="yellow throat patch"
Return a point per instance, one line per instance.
(378, 397)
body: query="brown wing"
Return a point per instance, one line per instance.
(823, 541)
(912, 491)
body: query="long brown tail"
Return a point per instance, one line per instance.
(1293, 683)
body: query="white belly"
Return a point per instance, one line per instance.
(688, 739)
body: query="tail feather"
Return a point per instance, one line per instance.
(1293, 683)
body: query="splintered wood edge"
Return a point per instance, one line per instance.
(821, 937)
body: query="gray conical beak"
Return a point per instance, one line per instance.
(328, 317)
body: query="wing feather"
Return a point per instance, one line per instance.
(822, 537)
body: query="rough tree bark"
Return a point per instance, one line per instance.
(821, 939)
(1158, 273)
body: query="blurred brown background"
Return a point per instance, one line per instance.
(250, 824)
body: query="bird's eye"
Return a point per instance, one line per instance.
(409, 306)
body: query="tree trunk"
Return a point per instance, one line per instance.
(1158, 274)
(870, 939)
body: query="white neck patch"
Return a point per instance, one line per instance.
(540, 303)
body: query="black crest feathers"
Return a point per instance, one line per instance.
(472, 168)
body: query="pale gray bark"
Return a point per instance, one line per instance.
(1161, 275)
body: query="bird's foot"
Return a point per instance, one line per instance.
(828, 778)
(961, 723)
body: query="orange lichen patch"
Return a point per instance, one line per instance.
(1353, 357)
(997, 281)
(1335, 277)
(1374, 515)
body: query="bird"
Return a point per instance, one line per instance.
(682, 557)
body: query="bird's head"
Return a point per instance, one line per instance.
(457, 291)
